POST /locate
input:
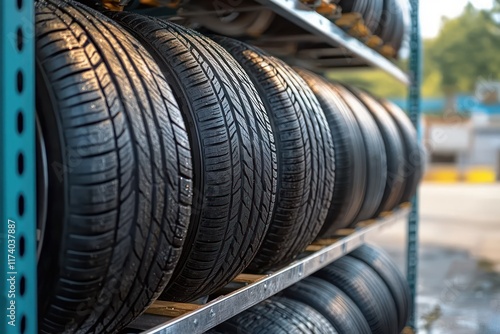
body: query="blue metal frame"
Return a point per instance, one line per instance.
(17, 169)
(316, 24)
(414, 108)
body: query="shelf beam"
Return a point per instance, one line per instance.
(200, 318)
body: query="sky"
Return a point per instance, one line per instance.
(431, 12)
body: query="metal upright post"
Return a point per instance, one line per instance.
(415, 67)
(17, 169)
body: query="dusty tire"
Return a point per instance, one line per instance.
(331, 302)
(278, 315)
(233, 151)
(376, 165)
(394, 186)
(413, 152)
(120, 168)
(370, 10)
(366, 289)
(350, 156)
(380, 262)
(305, 155)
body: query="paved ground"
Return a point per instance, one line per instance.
(459, 276)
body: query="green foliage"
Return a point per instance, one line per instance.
(466, 50)
(375, 81)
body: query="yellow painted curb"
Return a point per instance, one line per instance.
(480, 175)
(453, 175)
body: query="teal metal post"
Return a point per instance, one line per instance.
(17, 169)
(414, 108)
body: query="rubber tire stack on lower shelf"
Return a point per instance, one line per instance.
(278, 315)
(361, 293)
(177, 163)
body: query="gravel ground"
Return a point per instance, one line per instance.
(459, 269)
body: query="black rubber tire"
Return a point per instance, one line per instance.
(370, 10)
(413, 152)
(376, 160)
(278, 315)
(331, 302)
(215, 331)
(120, 172)
(382, 30)
(234, 157)
(366, 289)
(373, 14)
(404, 25)
(392, 26)
(350, 156)
(380, 262)
(394, 149)
(399, 25)
(306, 163)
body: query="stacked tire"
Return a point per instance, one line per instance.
(363, 292)
(387, 19)
(377, 154)
(371, 10)
(170, 162)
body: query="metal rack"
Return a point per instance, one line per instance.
(18, 193)
(174, 318)
(17, 168)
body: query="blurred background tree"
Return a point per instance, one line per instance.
(466, 50)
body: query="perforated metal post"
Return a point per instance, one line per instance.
(17, 169)
(414, 108)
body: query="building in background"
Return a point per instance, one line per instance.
(462, 137)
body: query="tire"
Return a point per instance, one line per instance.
(234, 156)
(371, 11)
(366, 289)
(395, 153)
(306, 162)
(391, 28)
(376, 160)
(331, 302)
(413, 152)
(278, 315)
(385, 20)
(380, 262)
(350, 156)
(120, 171)
(373, 14)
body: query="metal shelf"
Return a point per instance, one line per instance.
(353, 52)
(196, 318)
